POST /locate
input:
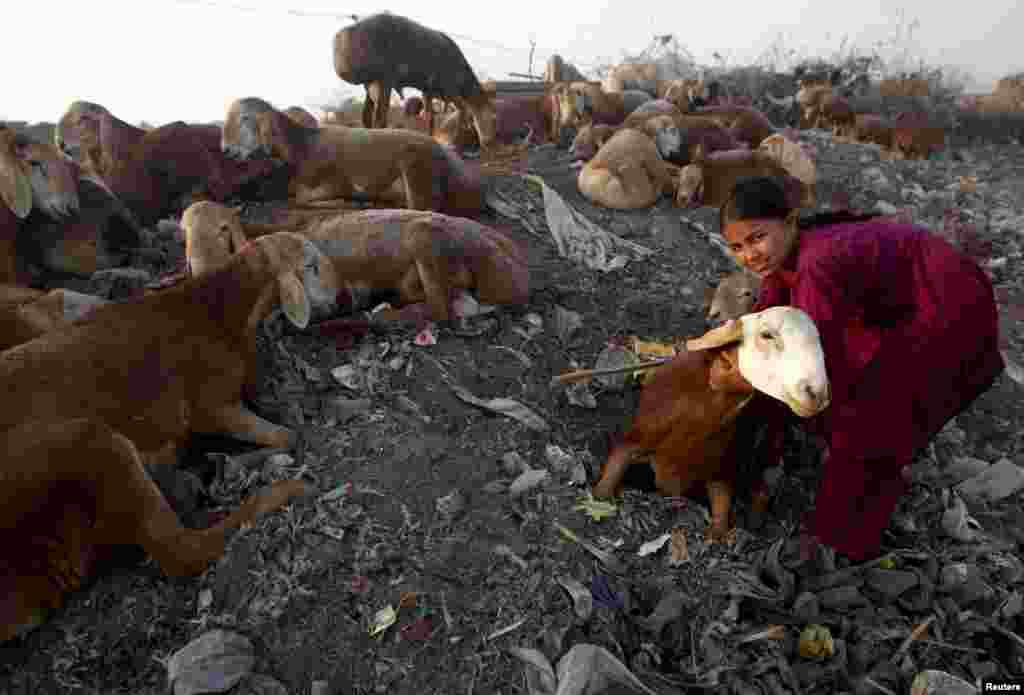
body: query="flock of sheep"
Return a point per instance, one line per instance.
(97, 388)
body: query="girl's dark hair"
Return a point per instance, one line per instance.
(764, 197)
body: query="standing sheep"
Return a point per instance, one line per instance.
(688, 411)
(386, 51)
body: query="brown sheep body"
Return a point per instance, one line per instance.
(873, 128)
(710, 178)
(745, 123)
(160, 172)
(391, 167)
(689, 409)
(160, 366)
(55, 217)
(71, 491)
(26, 314)
(407, 256)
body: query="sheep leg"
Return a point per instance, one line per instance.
(243, 424)
(428, 278)
(614, 470)
(417, 177)
(720, 496)
(368, 109)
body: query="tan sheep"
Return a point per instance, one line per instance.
(391, 167)
(628, 172)
(412, 255)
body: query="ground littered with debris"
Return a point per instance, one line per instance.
(451, 547)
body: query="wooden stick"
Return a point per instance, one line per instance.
(584, 374)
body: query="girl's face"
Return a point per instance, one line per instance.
(760, 245)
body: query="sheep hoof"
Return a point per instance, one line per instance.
(720, 533)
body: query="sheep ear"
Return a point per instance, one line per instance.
(15, 188)
(294, 300)
(272, 135)
(729, 332)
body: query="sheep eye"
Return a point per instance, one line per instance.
(767, 335)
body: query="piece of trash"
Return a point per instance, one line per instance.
(382, 620)
(359, 584)
(958, 523)
(566, 323)
(347, 376)
(934, 682)
(1012, 369)
(507, 552)
(526, 481)
(602, 592)
(611, 562)
(1002, 479)
(505, 630)
(669, 609)
(504, 406)
(579, 239)
(205, 600)
(679, 552)
(615, 357)
(343, 490)
(451, 505)
(655, 545)
(258, 684)
(419, 630)
(775, 632)
(579, 475)
(559, 459)
(407, 600)
(596, 509)
(586, 669)
(816, 641)
(579, 395)
(214, 662)
(647, 350)
(426, 336)
(887, 563)
(582, 600)
(540, 676)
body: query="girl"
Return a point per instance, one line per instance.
(910, 334)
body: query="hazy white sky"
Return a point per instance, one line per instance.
(162, 60)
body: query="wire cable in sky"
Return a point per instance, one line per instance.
(341, 16)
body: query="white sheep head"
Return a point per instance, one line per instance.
(779, 354)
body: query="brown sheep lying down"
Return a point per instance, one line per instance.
(391, 167)
(26, 314)
(688, 411)
(709, 179)
(405, 256)
(628, 172)
(55, 217)
(71, 492)
(155, 173)
(158, 367)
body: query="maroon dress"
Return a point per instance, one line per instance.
(909, 329)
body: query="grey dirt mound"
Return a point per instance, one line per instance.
(446, 512)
